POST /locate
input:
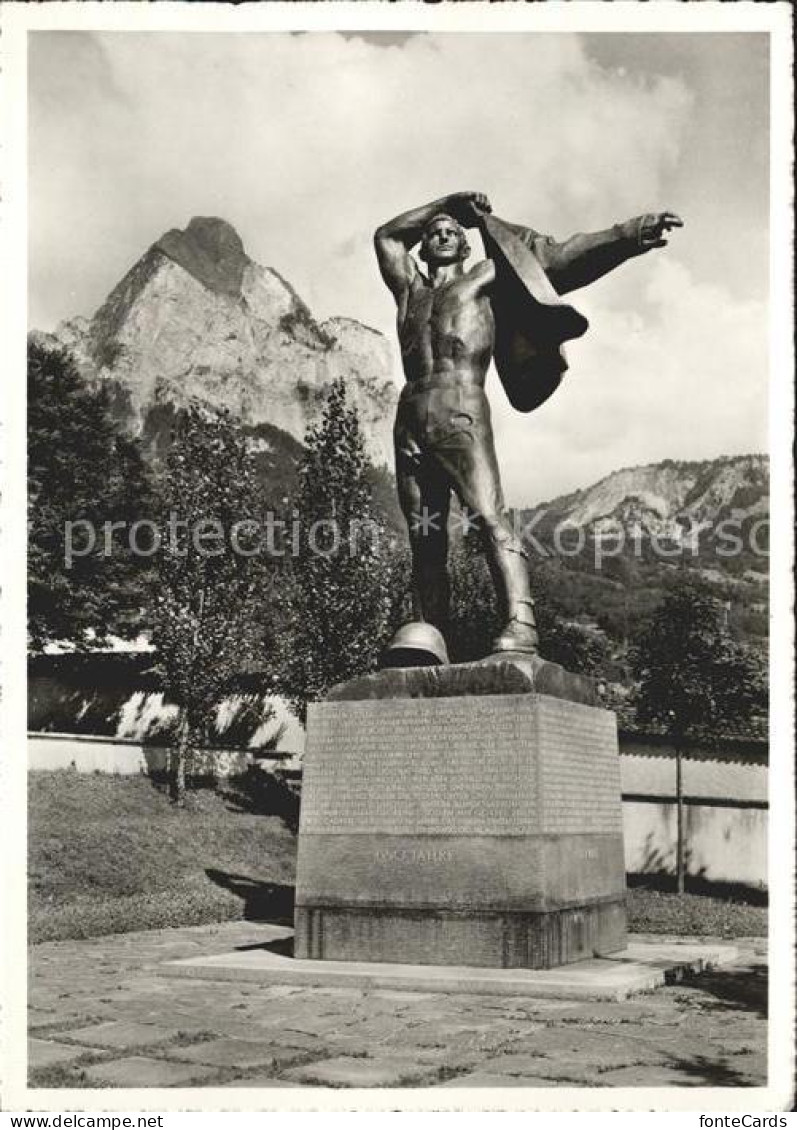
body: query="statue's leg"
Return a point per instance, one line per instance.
(425, 497)
(468, 456)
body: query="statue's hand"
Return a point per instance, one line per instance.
(469, 207)
(654, 226)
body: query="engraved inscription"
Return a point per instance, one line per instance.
(579, 769)
(413, 855)
(423, 766)
(493, 765)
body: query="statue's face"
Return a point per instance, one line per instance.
(443, 242)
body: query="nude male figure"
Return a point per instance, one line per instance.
(443, 432)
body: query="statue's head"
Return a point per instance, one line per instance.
(444, 241)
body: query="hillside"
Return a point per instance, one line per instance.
(669, 500)
(627, 538)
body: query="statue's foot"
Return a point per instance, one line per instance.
(517, 636)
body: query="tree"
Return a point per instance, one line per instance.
(346, 578)
(211, 570)
(580, 650)
(475, 622)
(694, 679)
(84, 582)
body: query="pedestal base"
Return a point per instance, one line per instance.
(540, 940)
(640, 968)
(444, 823)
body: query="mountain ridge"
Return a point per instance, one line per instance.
(610, 552)
(670, 498)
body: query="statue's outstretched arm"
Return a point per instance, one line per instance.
(585, 257)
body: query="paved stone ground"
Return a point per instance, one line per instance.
(101, 1016)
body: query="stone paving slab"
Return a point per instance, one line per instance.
(559, 1058)
(483, 1079)
(231, 1053)
(257, 1082)
(41, 1017)
(648, 1077)
(397, 996)
(346, 1071)
(121, 1034)
(460, 1036)
(372, 1032)
(319, 1026)
(49, 1053)
(638, 1010)
(292, 1043)
(641, 967)
(591, 1048)
(140, 1071)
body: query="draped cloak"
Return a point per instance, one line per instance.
(531, 320)
(532, 323)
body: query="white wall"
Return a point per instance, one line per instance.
(113, 755)
(722, 843)
(652, 773)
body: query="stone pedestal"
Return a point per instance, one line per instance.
(467, 815)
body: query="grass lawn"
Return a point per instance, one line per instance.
(662, 912)
(110, 854)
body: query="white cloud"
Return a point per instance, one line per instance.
(669, 368)
(305, 143)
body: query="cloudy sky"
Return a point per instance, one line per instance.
(305, 142)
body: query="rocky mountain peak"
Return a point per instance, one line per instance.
(197, 321)
(211, 250)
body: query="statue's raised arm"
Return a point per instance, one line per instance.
(394, 240)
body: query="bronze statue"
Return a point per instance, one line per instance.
(451, 324)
